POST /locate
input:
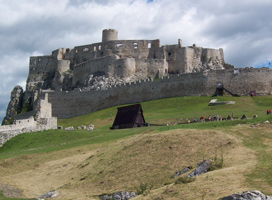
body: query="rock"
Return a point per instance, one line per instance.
(83, 127)
(90, 127)
(178, 173)
(255, 116)
(122, 195)
(252, 126)
(266, 122)
(70, 128)
(202, 167)
(79, 127)
(15, 104)
(48, 195)
(248, 195)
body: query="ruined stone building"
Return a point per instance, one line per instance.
(114, 72)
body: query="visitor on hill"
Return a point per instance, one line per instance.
(232, 116)
(202, 119)
(209, 118)
(217, 117)
(244, 117)
(194, 119)
(268, 111)
(228, 118)
(214, 118)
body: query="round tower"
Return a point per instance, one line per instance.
(109, 35)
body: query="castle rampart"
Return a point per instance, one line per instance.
(74, 103)
(110, 65)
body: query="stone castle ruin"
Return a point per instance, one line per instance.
(42, 120)
(114, 72)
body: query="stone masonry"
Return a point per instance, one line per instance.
(43, 121)
(112, 72)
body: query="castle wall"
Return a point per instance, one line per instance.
(187, 58)
(152, 68)
(45, 110)
(110, 66)
(26, 126)
(40, 64)
(208, 54)
(123, 48)
(74, 103)
(171, 55)
(62, 65)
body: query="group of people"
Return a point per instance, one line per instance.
(268, 112)
(215, 118)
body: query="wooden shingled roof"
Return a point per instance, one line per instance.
(129, 117)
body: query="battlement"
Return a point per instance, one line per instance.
(68, 104)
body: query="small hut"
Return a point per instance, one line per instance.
(129, 117)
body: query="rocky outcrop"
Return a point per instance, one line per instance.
(202, 167)
(178, 173)
(15, 104)
(248, 195)
(47, 195)
(122, 195)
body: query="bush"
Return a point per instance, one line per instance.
(184, 180)
(143, 188)
(218, 163)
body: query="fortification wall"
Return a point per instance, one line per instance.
(40, 64)
(71, 104)
(151, 67)
(26, 126)
(110, 66)
(123, 48)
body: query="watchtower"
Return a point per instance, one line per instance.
(109, 35)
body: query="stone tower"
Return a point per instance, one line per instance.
(109, 35)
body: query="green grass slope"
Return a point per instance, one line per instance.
(111, 160)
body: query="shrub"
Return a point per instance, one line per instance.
(143, 188)
(184, 180)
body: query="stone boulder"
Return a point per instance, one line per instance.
(70, 128)
(48, 195)
(248, 195)
(83, 127)
(202, 167)
(90, 127)
(178, 173)
(122, 195)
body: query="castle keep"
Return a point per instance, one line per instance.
(114, 72)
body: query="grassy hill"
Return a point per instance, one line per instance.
(83, 165)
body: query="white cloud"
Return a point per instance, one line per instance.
(243, 28)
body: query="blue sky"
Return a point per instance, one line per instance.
(242, 28)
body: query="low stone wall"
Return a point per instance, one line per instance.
(10, 131)
(241, 81)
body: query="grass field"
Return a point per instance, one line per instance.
(112, 160)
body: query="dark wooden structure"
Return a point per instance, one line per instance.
(220, 90)
(129, 117)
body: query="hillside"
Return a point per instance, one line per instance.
(83, 165)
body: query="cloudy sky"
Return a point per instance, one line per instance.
(241, 27)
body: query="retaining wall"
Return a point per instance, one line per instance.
(74, 103)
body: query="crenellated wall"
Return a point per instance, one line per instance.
(74, 103)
